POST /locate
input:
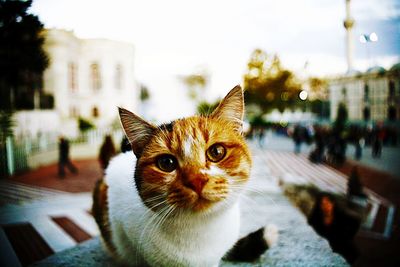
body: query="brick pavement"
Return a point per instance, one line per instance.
(89, 171)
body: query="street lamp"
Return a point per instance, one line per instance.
(368, 38)
(365, 38)
(303, 95)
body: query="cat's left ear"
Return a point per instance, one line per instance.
(137, 130)
(231, 108)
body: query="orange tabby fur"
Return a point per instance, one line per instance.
(202, 133)
(100, 213)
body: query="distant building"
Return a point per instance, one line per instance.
(370, 96)
(87, 78)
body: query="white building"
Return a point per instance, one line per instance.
(88, 78)
(373, 95)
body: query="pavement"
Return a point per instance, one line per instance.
(59, 209)
(380, 178)
(387, 163)
(298, 244)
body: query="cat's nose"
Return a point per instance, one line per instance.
(197, 184)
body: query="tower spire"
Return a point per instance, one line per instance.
(348, 24)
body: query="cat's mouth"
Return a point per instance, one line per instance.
(195, 202)
(202, 204)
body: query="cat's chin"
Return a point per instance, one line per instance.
(202, 204)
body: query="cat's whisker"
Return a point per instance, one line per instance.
(162, 216)
(150, 223)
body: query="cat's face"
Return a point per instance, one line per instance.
(193, 163)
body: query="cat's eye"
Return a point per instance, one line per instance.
(166, 163)
(216, 152)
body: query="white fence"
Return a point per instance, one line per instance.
(15, 154)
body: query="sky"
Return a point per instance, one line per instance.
(180, 37)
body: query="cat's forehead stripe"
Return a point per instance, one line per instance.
(187, 146)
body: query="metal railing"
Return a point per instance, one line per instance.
(14, 153)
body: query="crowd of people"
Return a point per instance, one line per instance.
(330, 144)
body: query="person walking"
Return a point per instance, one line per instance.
(63, 158)
(378, 137)
(298, 138)
(107, 151)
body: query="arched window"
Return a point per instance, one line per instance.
(118, 77)
(392, 113)
(367, 113)
(391, 89)
(366, 92)
(95, 77)
(72, 78)
(344, 93)
(74, 112)
(95, 112)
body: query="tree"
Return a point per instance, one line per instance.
(84, 125)
(23, 59)
(196, 83)
(205, 108)
(318, 97)
(268, 85)
(144, 94)
(318, 88)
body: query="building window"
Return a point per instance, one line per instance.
(118, 77)
(72, 78)
(392, 113)
(366, 113)
(95, 76)
(391, 89)
(366, 92)
(74, 112)
(344, 92)
(95, 112)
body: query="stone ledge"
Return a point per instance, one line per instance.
(298, 244)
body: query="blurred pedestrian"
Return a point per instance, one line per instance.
(63, 158)
(107, 151)
(261, 136)
(298, 138)
(317, 154)
(377, 141)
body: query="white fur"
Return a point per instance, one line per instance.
(213, 171)
(271, 234)
(189, 240)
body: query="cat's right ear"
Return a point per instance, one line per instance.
(138, 131)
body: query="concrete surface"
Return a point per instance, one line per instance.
(298, 244)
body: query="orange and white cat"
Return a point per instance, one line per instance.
(174, 200)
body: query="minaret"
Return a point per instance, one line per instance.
(348, 25)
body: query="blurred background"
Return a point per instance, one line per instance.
(321, 80)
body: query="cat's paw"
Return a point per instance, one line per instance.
(271, 234)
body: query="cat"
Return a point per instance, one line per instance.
(174, 201)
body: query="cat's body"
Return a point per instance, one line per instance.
(187, 240)
(176, 202)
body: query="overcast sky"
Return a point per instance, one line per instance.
(178, 37)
